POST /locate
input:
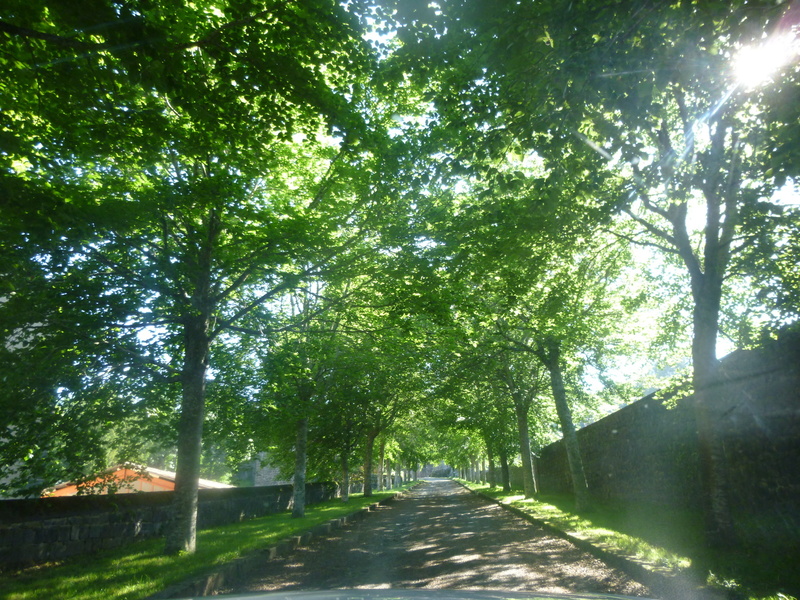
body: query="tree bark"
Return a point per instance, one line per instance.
(521, 408)
(720, 530)
(300, 459)
(370, 447)
(722, 178)
(491, 475)
(345, 478)
(181, 533)
(504, 472)
(552, 361)
(381, 462)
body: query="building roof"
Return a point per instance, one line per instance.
(170, 476)
(133, 478)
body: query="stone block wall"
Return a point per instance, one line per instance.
(643, 453)
(48, 529)
(648, 453)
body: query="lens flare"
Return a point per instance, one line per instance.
(756, 65)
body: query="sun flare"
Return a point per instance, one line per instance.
(757, 64)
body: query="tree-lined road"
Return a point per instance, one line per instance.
(441, 536)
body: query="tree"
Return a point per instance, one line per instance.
(692, 141)
(296, 376)
(470, 400)
(339, 428)
(523, 384)
(637, 101)
(172, 206)
(388, 387)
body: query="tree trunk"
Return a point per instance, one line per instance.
(504, 472)
(181, 533)
(345, 478)
(300, 457)
(722, 178)
(370, 446)
(720, 530)
(521, 407)
(492, 476)
(381, 459)
(579, 486)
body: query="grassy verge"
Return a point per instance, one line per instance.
(661, 540)
(139, 570)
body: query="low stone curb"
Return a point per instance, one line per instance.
(669, 586)
(245, 566)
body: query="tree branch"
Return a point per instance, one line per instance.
(633, 240)
(59, 40)
(728, 226)
(327, 179)
(656, 231)
(649, 205)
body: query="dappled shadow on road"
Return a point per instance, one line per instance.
(441, 536)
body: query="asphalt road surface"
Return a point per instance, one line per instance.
(440, 536)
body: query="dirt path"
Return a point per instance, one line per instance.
(441, 536)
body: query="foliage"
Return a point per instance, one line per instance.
(222, 219)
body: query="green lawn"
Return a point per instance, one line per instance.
(139, 570)
(666, 540)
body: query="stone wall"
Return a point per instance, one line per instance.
(647, 452)
(47, 529)
(644, 452)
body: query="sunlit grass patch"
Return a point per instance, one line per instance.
(139, 570)
(584, 528)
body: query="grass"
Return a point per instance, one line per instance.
(664, 540)
(139, 570)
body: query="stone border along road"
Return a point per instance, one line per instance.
(441, 536)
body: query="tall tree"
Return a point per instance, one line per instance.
(640, 97)
(168, 134)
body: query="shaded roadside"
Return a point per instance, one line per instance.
(663, 583)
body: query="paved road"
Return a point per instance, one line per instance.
(441, 536)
